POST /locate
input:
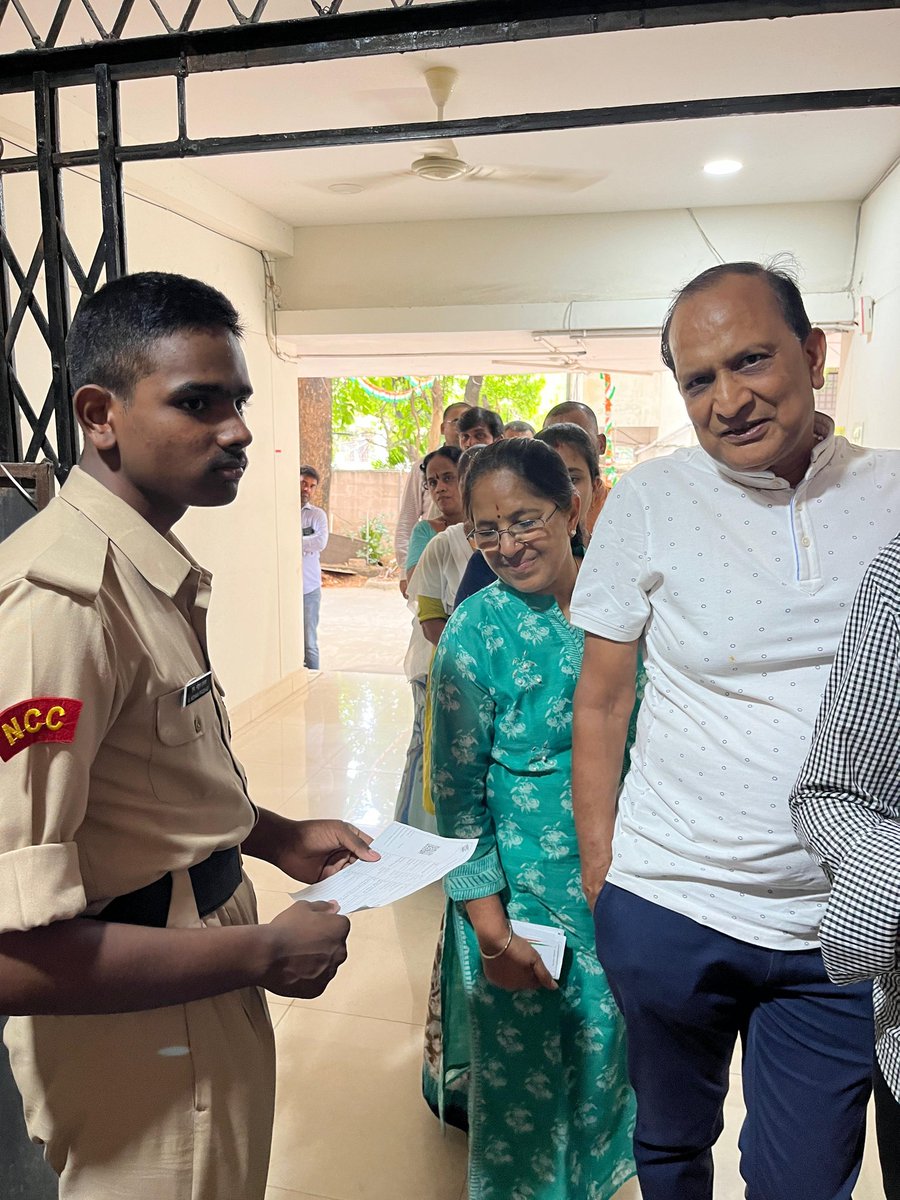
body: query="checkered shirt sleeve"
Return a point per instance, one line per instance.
(846, 802)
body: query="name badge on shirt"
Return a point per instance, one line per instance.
(196, 688)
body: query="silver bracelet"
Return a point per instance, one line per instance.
(488, 957)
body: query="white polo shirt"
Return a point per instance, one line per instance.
(739, 586)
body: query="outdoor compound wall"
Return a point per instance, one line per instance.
(253, 546)
(358, 496)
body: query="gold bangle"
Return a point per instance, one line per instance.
(488, 957)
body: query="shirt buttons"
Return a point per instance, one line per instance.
(805, 542)
(198, 724)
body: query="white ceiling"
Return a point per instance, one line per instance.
(800, 157)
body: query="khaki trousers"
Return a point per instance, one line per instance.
(171, 1104)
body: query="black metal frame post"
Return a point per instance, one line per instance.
(10, 441)
(46, 116)
(112, 197)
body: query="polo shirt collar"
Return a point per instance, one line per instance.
(822, 454)
(162, 561)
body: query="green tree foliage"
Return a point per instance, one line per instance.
(403, 425)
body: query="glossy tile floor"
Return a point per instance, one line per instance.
(350, 1123)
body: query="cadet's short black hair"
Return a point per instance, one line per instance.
(492, 421)
(111, 339)
(311, 472)
(519, 427)
(780, 280)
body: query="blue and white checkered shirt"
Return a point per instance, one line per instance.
(846, 803)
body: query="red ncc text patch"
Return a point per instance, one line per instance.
(41, 719)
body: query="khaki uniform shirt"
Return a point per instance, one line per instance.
(108, 778)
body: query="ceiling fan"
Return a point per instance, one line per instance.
(441, 162)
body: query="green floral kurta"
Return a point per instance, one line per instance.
(551, 1113)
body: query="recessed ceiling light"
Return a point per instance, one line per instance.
(723, 166)
(345, 189)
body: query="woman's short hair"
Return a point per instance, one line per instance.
(452, 452)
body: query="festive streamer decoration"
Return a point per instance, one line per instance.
(415, 386)
(609, 466)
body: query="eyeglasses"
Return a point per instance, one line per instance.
(519, 531)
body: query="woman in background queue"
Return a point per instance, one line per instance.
(441, 472)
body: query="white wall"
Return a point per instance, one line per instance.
(253, 546)
(599, 271)
(869, 395)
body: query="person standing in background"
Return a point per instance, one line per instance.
(573, 412)
(315, 538)
(416, 503)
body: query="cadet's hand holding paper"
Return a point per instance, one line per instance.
(410, 860)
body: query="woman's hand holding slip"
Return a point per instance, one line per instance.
(518, 969)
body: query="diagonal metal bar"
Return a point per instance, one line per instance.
(39, 434)
(162, 16)
(71, 259)
(188, 19)
(23, 15)
(58, 22)
(98, 25)
(98, 262)
(25, 283)
(242, 20)
(93, 275)
(257, 13)
(121, 20)
(31, 417)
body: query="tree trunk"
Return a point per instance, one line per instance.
(473, 390)
(314, 397)
(437, 414)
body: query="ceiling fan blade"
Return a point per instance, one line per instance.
(536, 177)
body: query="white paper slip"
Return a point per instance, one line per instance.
(410, 860)
(549, 942)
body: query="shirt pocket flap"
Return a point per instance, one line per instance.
(175, 725)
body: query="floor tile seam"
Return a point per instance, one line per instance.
(273, 1187)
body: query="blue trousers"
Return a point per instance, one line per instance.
(311, 603)
(687, 993)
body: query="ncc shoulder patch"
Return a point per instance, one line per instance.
(41, 719)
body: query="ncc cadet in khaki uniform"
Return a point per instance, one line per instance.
(129, 949)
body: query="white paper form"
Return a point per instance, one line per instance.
(410, 860)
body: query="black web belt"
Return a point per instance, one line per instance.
(214, 881)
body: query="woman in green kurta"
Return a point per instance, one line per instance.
(550, 1109)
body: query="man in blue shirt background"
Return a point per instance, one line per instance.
(315, 538)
